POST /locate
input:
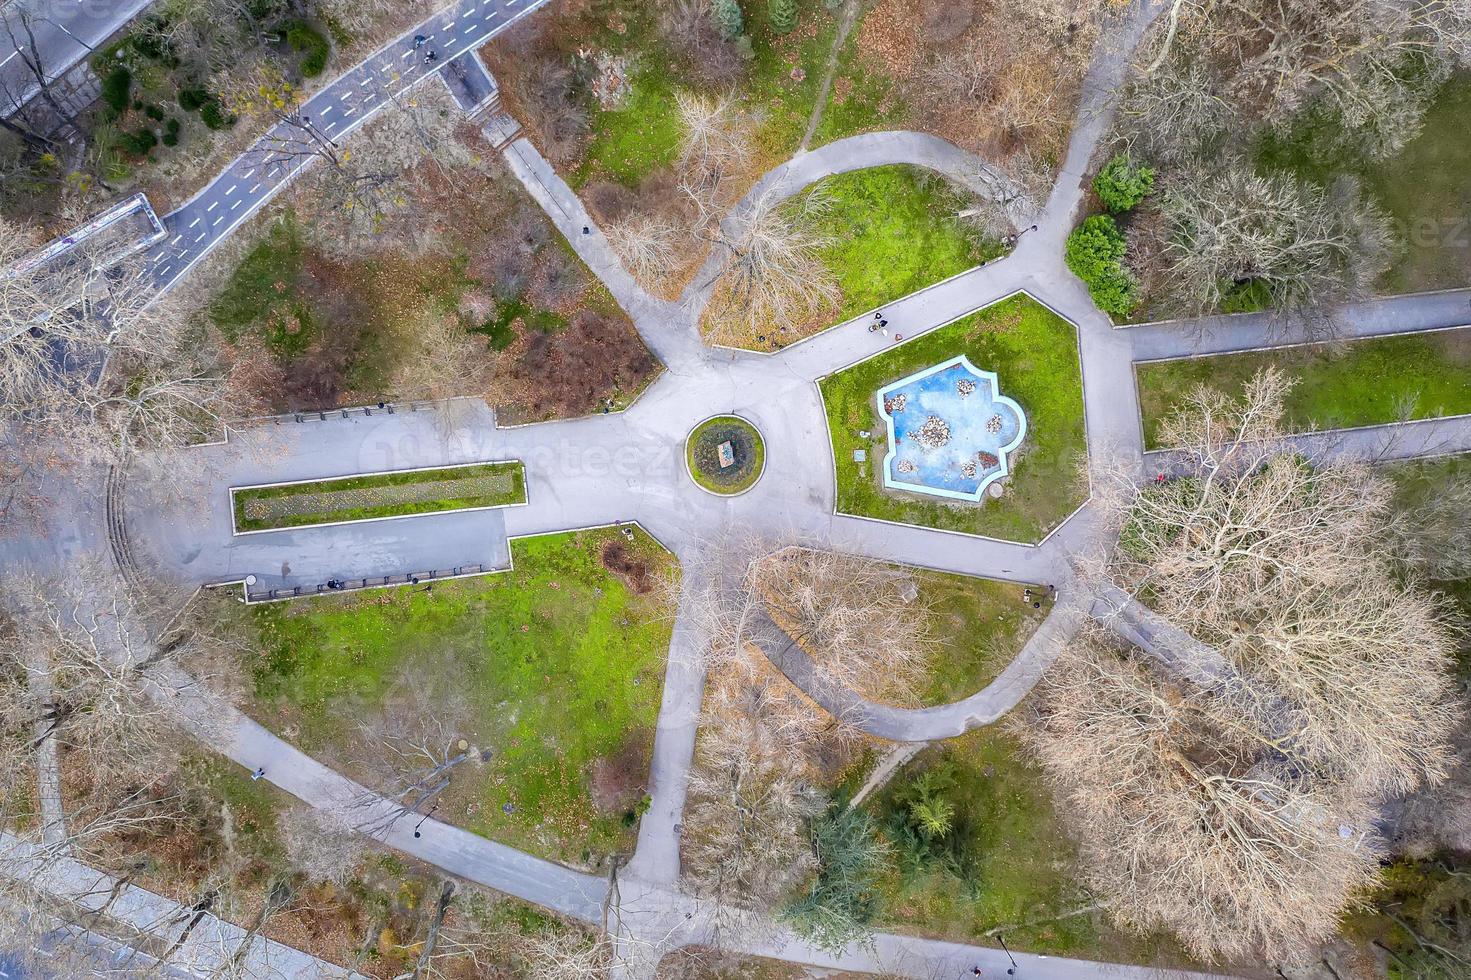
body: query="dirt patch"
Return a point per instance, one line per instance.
(618, 780)
(617, 559)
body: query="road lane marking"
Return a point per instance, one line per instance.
(212, 207)
(349, 112)
(253, 188)
(408, 55)
(231, 189)
(218, 220)
(328, 111)
(248, 173)
(234, 206)
(194, 222)
(176, 239)
(200, 238)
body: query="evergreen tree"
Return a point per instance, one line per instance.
(782, 15)
(729, 19)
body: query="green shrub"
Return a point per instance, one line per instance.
(729, 19)
(782, 15)
(154, 113)
(172, 127)
(138, 142)
(171, 139)
(148, 44)
(193, 99)
(214, 115)
(1122, 183)
(116, 89)
(1095, 253)
(313, 47)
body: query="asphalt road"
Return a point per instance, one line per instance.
(66, 31)
(255, 176)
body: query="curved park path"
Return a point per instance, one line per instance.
(628, 467)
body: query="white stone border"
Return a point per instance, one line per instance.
(686, 454)
(996, 398)
(525, 487)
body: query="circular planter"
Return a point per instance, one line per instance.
(702, 455)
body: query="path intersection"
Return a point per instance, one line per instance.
(628, 467)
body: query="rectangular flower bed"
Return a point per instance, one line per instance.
(375, 496)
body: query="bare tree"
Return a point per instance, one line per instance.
(1009, 77)
(715, 142)
(772, 274)
(439, 360)
(414, 750)
(566, 954)
(647, 245)
(367, 200)
(1266, 60)
(1434, 536)
(860, 620)
(1286, 567)
(321, 843)
(20, 21)
(750, 792)
(764, 746)
(89, 357)
(715, 155)
(1305, 246)
(1235, 806)
(1186, 822)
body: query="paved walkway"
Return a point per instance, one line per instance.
(928, 724)
(1253, 331)
(1391, 443)
(629, 466)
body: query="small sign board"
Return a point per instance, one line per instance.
(860, 455)
(726, 453)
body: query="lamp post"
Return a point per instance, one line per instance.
(1011, 970)
(423, 818)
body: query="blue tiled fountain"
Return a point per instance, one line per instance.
(950, 430)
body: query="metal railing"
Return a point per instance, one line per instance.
(370, 582)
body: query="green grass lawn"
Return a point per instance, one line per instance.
(980, 625)
(1015, 861)
(362, 498)
(864, 98)
(1425, 188)
(894, 231)
(1338, 385)
(1034, 353)
(553, 666)
(642, 135)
